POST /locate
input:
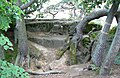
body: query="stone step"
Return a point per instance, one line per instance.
(38, 51)
(49, 41)
(40, 55)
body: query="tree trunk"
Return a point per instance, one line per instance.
(77, 36)
(23, 55)
(79, 28)
(113, 51)
(2, 56)
(2, 53)
(99, 52)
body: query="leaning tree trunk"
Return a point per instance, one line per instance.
(113, 51)
(79, 28)
(78, 34)
(99, 52)
(23, 55)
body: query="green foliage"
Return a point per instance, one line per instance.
(24, 1)
(89, 5)
(73, 58)
(86, 41)
(36, 6)
(94, 35)
(10, 56)
(7, 12)
(94, 68)
(112, 32)
(92, 26)
(8, 70)
(59, 53)
(91, 31)
(5, 42)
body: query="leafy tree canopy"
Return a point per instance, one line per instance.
(88, 5)
(8, 10)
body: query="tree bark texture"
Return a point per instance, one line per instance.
(94, 15)
(22, 42)
(25, 6)
(84, 22)
(113, 51)
(99, 52)
(2, 56)
(78, 33)
(23, 54)
(78, 36)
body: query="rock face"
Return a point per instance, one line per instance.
(40, 56)
(49, 41)
(34, 51)
(44, 42)
(43, 49)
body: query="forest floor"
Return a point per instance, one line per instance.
(75, 71)
(78, 71)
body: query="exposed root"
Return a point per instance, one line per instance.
(45, 73)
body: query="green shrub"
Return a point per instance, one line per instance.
(8, 70)
(5, 42)
(112, 32)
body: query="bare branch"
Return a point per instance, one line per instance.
(38, 7)
(24, 6)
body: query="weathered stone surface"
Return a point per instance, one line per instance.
(58, 64)
(49, 41)
(40, 56)
(33, 50)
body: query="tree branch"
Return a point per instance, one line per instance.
(85, 20)
(38, 7)
(24, 6)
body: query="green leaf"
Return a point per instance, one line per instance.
(3, 76)
(11, 48)
(4, 63)
(6, 39)
(2, 41)
(8, 70)
(9, 43)
(6, 47)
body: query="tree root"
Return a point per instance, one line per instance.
(45, 73)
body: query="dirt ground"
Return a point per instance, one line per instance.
(77, 71)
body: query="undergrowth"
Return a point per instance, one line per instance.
(8, 70)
